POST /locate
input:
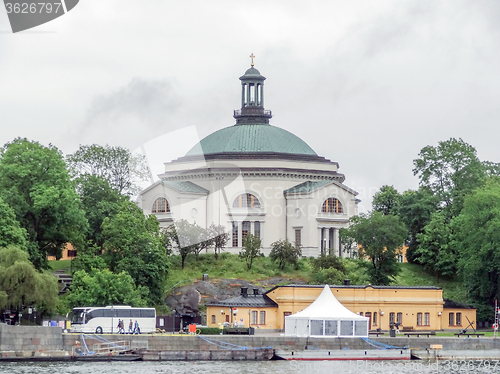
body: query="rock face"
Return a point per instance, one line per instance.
(187, 298)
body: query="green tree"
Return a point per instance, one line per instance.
(102, 288)
(99, 200)
(329, 269)
(379, 236)
(184, 237)
(451, 170)
(10, 231)
(220, 238)
(120, 167)
(251, 249)
(477, 239)
(133, 243)
(387, 200)
(415, 211)
(34, 182)
(285, 253)
(88, 259)
(22, 285)
(435, 250)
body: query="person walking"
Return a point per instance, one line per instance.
(137, 330)
(131, 327)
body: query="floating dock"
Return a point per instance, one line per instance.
(344, 355)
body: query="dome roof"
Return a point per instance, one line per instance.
(252, 73)
(256, 138)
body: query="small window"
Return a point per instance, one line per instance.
(246, 200)
(332, 205)
(427, 319)
(392, 317)
(459, 319)
(400, 318)
(245, 229)
(235, 234)
(298, 237)
(451, 319)
(161, 322)
(254, 317)
(419, 319)
(160, 206)
(361, 314)
(374, 323)
(213, 319)
(262, 317)
(71, 253)
(256, 229)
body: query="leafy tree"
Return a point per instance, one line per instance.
(328, 269)
(120, 167)
(283, 252)
(451, 170)
(34, 182)
(185, 237)
(379, 236)
(102, 288)
(10, 231)
(220, 238)
(387, 200)
(99, 200)
(477, 238)
(435, 250)
(415, 211)
(88, 259)
(329, 262)
(133, 243)
(251, 249)
(21, 284)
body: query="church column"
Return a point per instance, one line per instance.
(330, 241)
(243, 86)
(336, 240)
(261, 95)
(320, 240)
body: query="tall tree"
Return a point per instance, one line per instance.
(285, 253)
(387, 200)
(436, 251)
(120, 167)
(251, 249)
(185, 238)
(21, 284)
(379, 236)
(477, 239)
(102, 288)
(451, 170)
(34, 182)
(99, 200)
(133, 243)
(415, 210)
(10, 231)
(220, 238)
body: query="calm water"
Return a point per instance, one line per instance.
(281, 367)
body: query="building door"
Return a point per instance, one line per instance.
(284, 315)
(369, 315)
(227, 318)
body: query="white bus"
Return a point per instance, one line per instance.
(101, 320)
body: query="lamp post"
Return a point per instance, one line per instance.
(112, 318)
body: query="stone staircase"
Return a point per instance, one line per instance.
(64, 280)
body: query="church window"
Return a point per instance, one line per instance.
(235, 234)
(160, 206)
(298, 237)
(246, 200)
(256, 229)
(332, 205)
(245, 229)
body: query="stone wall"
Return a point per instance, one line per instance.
(30, 338)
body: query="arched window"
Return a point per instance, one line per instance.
(332, 205)
(160, 206)
(246, 200)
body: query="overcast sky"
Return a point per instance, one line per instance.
(365, 83)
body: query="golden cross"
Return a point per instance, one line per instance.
(252, 57)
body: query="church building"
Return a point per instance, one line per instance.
(256, 178)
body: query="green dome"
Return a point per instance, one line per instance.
(258, 138)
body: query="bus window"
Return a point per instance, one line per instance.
(147, 313)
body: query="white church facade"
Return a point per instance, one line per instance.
(256, 178)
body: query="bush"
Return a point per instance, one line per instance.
(209, 330)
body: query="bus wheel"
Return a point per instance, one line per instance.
(98, 330)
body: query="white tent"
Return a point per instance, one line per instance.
(326, 317)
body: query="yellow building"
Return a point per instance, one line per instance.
(419, 308)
